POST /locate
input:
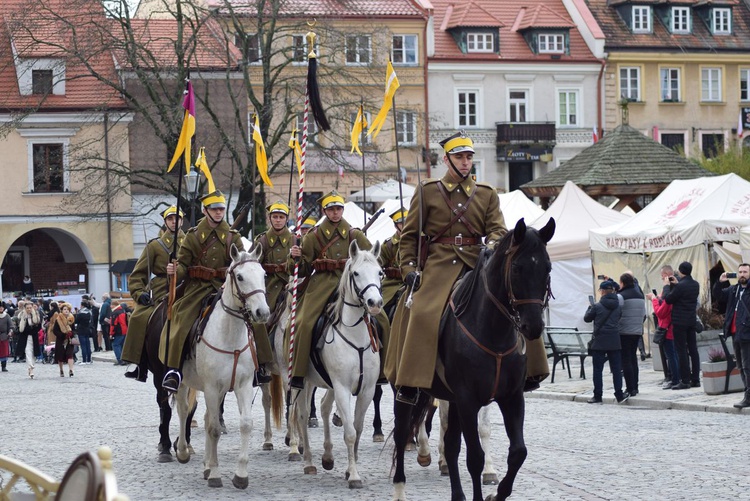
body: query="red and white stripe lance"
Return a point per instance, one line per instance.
(312, 103)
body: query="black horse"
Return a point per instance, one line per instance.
(483, 357)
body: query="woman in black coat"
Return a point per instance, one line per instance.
(29, 323)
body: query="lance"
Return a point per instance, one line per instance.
(363, 135)
(312, 103)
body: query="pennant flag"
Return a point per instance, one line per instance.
(294, 145)
(202, 165)
(740, 127)
(595, 135)
(360, 124)
(260, 153)
(188, 128)
(341, 171)
(391, 85)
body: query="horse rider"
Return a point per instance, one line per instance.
(275, 244)
(389, 260)
(203, 260)
(323, 254)
(456, 213)
(148, 285)
(307, 225)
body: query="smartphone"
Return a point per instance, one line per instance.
(731, 275)
(600, 277)
(591, 300)
(654, 291)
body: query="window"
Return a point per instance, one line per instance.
(250, 47)
(712, 144)
(41, 82)
(630, 83)
(468, 101)
(744, 85)
(551, 44)
(680, 19)
(357, 49)
(674, 141)
(312, 127)
(567, 108)
(479, 42)
(299, 48)
(47, 159)
(518, 102)
(367, 139)
(721, 20)
(711, 84)
(404, 49)
(641, 19)
(406, 127)
(670, 85)
(477, 171)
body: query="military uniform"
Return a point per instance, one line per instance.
(390, 262)
(153, 260)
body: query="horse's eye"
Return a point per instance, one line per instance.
(355, 274)
(239, 278)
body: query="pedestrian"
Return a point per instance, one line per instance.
(631, 329)
(663, 312)
(18, 342)
(61, 328)
(105, 312)
(27, 287)
(84, 329)
(456, 213)
(6, 332)
(96, 335)
(29, 324)
(148, 286)
(606, 340)
(737, 322)
(683, 295)
(118, 329)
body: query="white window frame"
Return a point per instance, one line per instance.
(578, 112)
(404, 117)
(477, 108)
(478, 166)
(311, 125)
(724, 142)
(25, 68)
(721, 21)
(368, 139)
(626, 92)
(514, 102)
(480, 42)
(641, 18)
(684, 133)
(668, 81)
(745, 77)
(711, 93)
(551, 43)
(680, 19)
(358, 50)
(48, 136)
(408, 56)
(241, 45)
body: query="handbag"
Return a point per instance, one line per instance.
(660, 334)
(698, 325)
(75, 341)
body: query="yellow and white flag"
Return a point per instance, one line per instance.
(360, 124)
(261, 161)
(294, 145)
(391, 85)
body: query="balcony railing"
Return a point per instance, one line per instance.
(526, 133)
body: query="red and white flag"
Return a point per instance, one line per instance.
(341, 171)
(740, 127)
(595, 136)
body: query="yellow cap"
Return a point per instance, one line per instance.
(278, 207)
(214, 200)
(399, 215)
(171, 211)
(309, 223)
(332, 199)
(457, 143)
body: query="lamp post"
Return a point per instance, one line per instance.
(192, 180)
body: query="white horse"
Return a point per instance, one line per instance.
(351, 358)
(225, 360)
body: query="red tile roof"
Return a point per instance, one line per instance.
(619, 36)
(470, 15)
(512, 44)
(328, 8)
(34, 33)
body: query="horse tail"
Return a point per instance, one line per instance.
(277, 399)
(419, 413)
(192, 399)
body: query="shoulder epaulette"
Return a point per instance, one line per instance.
(430, 180)
(486, 185)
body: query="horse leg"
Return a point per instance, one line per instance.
(221, 416)
(244, 404)
(301, 408)
(165, 416)
(213, 431)
(489, 475)
(377, 424)
(183, 455)
(452, 450)
(192, 398)
(267, 433)
(424, 458)
(313, 422)
(513, 415)
(326, 407)
(467, 414)
(292, 432)
(401, 418)
(360, 409)
(443, 410)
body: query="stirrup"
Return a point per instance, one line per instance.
(261, 376)
(405, 395)
(172, 381)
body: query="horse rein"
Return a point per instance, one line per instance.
(238, 294)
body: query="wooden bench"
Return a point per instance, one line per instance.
(566, 342)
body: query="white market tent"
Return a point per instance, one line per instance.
(689, 221)
(745, 244)
(572, 278)
(516, 205)
(381, 192)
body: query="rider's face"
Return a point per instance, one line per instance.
(278, 220)
(171, 222)
(215, 215)
(463, 162)
(334, 214)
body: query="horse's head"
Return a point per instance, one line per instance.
(360, 282)
(246, 281)
(524, 275)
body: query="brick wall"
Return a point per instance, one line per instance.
(47, 265)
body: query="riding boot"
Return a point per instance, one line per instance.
(172, 380)
(745, 402)
(407, 395)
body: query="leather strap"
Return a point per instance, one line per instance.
(457, 211)
(458, 240)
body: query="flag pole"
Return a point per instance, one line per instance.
(291, 169)
(363, 135)
(398, 158)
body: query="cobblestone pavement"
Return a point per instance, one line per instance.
(638, 451)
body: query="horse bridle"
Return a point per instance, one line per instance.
(361, 293)
(242, 312)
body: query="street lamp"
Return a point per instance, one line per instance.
(192, 180)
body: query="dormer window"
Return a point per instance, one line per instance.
(551, 43)
(721, 21)
(480, 42)
(41, 82)
(680, 19)
(641, 19)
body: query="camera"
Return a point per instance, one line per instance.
(731, 275)
(601, 277)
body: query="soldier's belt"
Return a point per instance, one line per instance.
(274, 268)
(392, 273)
(458, 240)
(329, 264)
(205, 273)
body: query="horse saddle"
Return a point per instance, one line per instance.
(196, 330)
